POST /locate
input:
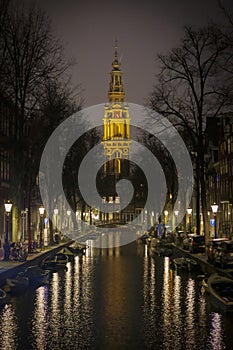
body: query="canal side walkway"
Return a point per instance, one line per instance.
(9, 269)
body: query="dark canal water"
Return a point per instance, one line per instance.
(119, 298)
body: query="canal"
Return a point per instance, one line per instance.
(118, 298)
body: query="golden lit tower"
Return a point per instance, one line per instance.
(116, 139)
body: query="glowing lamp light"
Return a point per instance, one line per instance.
(41, 210)
(55, 211)
(214, 208)
(165, 212)
(189, 211)
(8, 207)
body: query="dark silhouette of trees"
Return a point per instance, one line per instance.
(191, 86)
(34, 77)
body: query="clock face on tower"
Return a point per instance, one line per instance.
(116, 114)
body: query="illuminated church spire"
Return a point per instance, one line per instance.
(116, 138)
(116, 89)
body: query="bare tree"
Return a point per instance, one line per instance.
(56, 105)
(190, 88)
(227, 33)
(3, 14)
(31, 57)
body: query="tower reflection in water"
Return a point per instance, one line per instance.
(115, 297)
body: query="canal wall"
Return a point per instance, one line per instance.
(206, 267)
(9, 269)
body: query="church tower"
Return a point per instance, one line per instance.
(116, 140)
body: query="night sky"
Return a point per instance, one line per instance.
(143, 28)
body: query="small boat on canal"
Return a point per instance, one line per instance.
(161, 247)
(55, 263)
(221, 292)
(77, 249)
(67, 251)
(36, 275)
(164, 249)
(2, 297)
(186, 264)
(16, 285)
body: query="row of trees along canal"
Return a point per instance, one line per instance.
(194, 82)
(35, 78)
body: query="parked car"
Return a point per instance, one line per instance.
(186, 240)
(196, 244)
(224, 254)
(212, 246)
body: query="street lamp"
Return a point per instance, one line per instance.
(214, 208)
(41, 211)
(68, 212)
(166, 214)
(189, 211)
(152, 218)
(8, 207)
(176, 212)
(55, 213)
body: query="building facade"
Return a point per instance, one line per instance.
(220, 173)
(7, 133)
(225, 177)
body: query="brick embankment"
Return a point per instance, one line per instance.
(9, 269)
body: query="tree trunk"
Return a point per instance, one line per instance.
(203, 197)
(198, 224)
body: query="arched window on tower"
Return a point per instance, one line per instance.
(117, 166)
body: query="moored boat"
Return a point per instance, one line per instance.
(180, 262)
(17, 284)
(77, 248)
(2, 297)
(67, 251)
(186, 263)
(55, 263)
(36, 275)
(164, 249)
(221, 292)
(161, 247)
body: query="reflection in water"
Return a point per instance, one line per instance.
(177, 316)
(55, 310)
(216, 332)
(203, 334)
(8, 329)
(149, 298)
(166, 293)
(118, 298)
(190, 314)
(68, 305)
(39, 320)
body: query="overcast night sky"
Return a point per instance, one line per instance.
(143, 29)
